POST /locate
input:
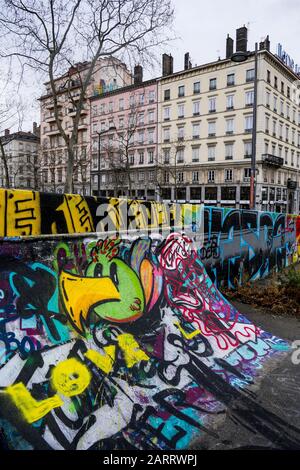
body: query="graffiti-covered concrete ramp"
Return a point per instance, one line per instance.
(109, 343)
(120, 341)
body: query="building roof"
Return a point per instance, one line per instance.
(117, 91)
(20, 135)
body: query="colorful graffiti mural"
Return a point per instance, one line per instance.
(124, 342)
(235, 245)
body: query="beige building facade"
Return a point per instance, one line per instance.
(205, 133)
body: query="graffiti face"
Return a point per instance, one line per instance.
(104, 288)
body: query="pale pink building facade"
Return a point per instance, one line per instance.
(124, 122)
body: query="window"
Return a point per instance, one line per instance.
(166, 133)
(180, 177)
(268, 76)
(141, 176)
(131, 100)
(248, 123)
(229, 102)
(275, 103)
(268, 96)
(250, 98)
(275, 82)
(167, 113)
(150, 136)
(196, 130)
(141, 137)
(131, 158)
(142, 99)
(230, 79)
(110, 106)
(151, 175)
(150, 116)
(167, 95)
(229, 126)
(274, 128)
(181, 111)
(280, 130)
(94, 110)
(228, 151)
(211, 153)
(247, 149)
(121, 104)
(250, 75)
(166, 156)
(228, 193)
(180, 132)
(141, 158)
(196, 88)
(166, 177)
(247, 174)
(121, 123)
(150, 156)
(211, 176)
(212, 105)
(195, 176)
(141, 119)
(267, 123)
(228, 175)
(211, 128)
(211, 194)
(195, 154)
(181, 91)
(180, 155)
(288, 90)
(151, 96)
(287, 111)
(196, 108)
(213, 84)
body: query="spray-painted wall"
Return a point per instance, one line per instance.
(110, 343)
(235, 245)
(123, 341)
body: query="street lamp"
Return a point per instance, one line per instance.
(111, 129)
(240, 57)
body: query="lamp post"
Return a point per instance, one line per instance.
(111, 129)
(240, 57)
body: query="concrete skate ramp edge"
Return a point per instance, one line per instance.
(124, 342)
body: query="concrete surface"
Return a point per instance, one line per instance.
(278, 390)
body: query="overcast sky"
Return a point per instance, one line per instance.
(202, 27)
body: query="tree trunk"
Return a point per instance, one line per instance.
(4, 160)
(70, 166)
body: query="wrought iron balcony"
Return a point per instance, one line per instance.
(272, 160)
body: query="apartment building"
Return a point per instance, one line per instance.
(109, 75)
(205, 126)
(124, 124)
(21, 151)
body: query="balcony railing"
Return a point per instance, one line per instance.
(272, 160)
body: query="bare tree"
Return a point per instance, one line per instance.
(171, 166)
(11, 115)
(42, 35)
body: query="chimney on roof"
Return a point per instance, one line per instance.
(167, 65)
(34, 128)
(242, 39)
(187, 62)
(6, 132)
(229, 47)
(265, 44)
(138, 75)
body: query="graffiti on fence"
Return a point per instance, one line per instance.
(110, 343)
